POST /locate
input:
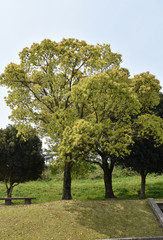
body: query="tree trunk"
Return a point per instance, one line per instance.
(108, 169)
(143, 182)
(9, 191)
(67, 181)
(9, 188)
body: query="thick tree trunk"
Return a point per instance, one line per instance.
(108, 184)
(108, 169)
(9, 191)
(67, 181)
(143, 182)
(9, 188)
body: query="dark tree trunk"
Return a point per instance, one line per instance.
(67, 181)
(143, 182)
(9, 191)
(108, 169)
(108, 184)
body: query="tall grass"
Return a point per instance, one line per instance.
(125, 185)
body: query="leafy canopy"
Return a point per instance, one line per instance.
(40, 86)
(21, 157)
(105, 105)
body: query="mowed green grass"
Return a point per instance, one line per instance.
(78, 220)
(87, 216)
(124, 188)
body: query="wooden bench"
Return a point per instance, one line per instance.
(8, 199)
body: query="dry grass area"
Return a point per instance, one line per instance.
(78, 220)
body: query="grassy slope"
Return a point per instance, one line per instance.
(78, 220)
(49, 218)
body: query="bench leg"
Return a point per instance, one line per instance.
(27, 201)
(7, 202)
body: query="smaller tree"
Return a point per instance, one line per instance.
(147, 151)
(21, 158)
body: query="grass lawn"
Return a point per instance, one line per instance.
(88, 216)
(78, 220)
(124, 188)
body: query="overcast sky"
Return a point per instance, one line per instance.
(133, 28)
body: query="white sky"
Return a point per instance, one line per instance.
(134, 28)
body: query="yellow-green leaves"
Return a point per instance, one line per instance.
(13, 77)
(41, 85)
(105, 96)
(149, 125)
(106, 105)
(147, 88)
(77, 94)
(80, 137)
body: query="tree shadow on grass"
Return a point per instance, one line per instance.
(116, 218)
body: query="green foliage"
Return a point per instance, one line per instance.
(82, 169)
(159, 108)
(20, 157)
(145, 157)
(41, 85)
(149, 126)
(78, 95)
(57, 169)
(147, 88)
(44, 78)
(120, 172)
(46, 174)
(105, 105)
(146, 154)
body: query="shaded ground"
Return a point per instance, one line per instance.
(78, 220)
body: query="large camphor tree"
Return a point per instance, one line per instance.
(40, 87)
(106, 105)
(21, 157)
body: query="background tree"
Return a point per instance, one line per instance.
(145, 158)
(147, 88)
(147, 151)
(21, 158)
(40, 86)
(148, 128)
